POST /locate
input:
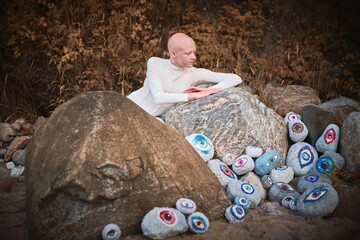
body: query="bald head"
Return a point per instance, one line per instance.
(182, 50)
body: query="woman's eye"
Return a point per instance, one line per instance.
(316, 194)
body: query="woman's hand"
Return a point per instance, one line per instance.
(196, 93)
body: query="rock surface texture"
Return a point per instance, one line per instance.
(101, 159)
(318, 117)
(291, 98)
(233, 120)
(350, 141)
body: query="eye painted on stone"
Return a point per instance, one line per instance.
(312, 178)
(292, 116)
(168, 217)
(288, 199)
(330, 136)
(272, 160)
(227, 171)
(240, 162)
(316, 194)
(198, 223)
(297, 127)
(285, 187)
(247, 188)
(325, 165)
(305, 156)
(187, 204)
(237, 211)
(269, 180)
(201, 144)
(281, 168)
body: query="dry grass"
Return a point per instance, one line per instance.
(56, 49)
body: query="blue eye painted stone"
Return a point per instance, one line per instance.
(311, 180)
(185, 205)
(328, 162)
(235, 214)
(266, 162)
(280, 190)
(240, 188)
(111, 232)
(297, 130)
(202, 145)
(198, 222)
(282, 174)
(301, 158)
(242, 201)
(223, 173)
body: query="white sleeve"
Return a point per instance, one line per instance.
(161, 97)
(223, 80)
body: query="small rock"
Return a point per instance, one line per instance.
(292, 116)
(328, 162)
(254, 180)
(243, 165)
(297, 130)
(17, 143)
(266, 181)
(301, 158)
(198, 222)
(293, 204)
(329, 140)
(318, 202)
(19, 157)
(228, 159)
(202, 145)
(266, 162)
(270, 209)
(162, 223)
(185, 205)
(16, 172)
(253, 151)
(282, 174)
(285, 202)
(280, 190)
(111, 232)
(242, 201)
(7, 132)
(311, 180)
(235, 214)
(10, 165)
(223, 173)
(236, 188)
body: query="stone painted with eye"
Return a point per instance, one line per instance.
(235, 214)
(318, 202)
(266, 181)
(223, 173)
(185, 205)
(329, 139)
(163, 222)
(198, 222)
(253, 151)
(286, 201)
(328, 162)
(297, 130)
(301, 158)
(202, 145)
(293, 204)
(111, 232)
(266, 162)
(228, 159)
(280, 190)
(242, 201)
(240, 188)
(290, 116)
(281, 174)
(311, 180)
(243, 165)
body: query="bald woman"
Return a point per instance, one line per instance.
(174, 80)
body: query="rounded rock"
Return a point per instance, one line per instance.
(280, 190)
(266, 162)
(253, 151)
(301, 158)
(297, 130)
(16, 172)
(10, 165)
(282, 174)
(202, 145)
(311, 180)
(185, 205)
(198, 222)
(293, 204)
(223, 173)
(161, 223)
(228, 159)
(329, 139)
(266, 181)
(235, 214)
(111, 232)
(240, 188)
(242, 201)
(243, 165)
(328, 162)
(18, 157)
(286, 201)
(318, 202)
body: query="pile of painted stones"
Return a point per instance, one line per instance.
(14, 138)
(313, 195)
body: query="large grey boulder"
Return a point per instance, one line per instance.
(318, 117)
(101, 159)
(350, 141)
(233, 120)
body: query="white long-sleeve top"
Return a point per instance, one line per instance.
(165, 84)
